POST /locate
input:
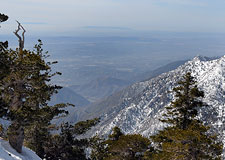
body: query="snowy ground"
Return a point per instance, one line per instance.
(8, 153)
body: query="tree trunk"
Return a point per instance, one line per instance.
(16, 136)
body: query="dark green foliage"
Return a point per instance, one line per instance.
(129, 147)
(25, 90)
(3, 108)
(186, 138)
(3, 17)
(52, 148)
(120, 147)
(4, 71)
(38, 134)
(36, 137)
(66, 145)
(184, 109)
(115, 134)
(98, 147)
(3, 45)
(84, 126)
(192, 143)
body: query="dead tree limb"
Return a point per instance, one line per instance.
(21, 39)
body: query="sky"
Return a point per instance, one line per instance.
(71, 16)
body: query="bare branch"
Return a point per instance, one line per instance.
(21, 39)
(16, 33)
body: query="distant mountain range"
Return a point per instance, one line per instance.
(103, 87)
(163, 69)
(106, 28)
(67, 95)
(111, 100)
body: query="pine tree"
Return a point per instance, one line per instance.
(116, 133)
(129, 147)
(184, 109)
(36, 136)
(3, 46)
(25, 90)
(83, 126)
(66, 145)
(186, 138)
(119, 146)
(99, 148)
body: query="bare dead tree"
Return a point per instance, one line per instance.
(21, 39)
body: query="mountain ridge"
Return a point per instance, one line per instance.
(100, 88)
(140, 112)
(108, 103)
(67, 95)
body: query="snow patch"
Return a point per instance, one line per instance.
(8, 153)
(140, 113)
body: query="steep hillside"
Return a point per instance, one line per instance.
(106, 86)
(67, 95)
(108, 104)
(101, 87)
(143, 103)
(163, 69)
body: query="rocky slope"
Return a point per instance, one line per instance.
(108, 104)
(143, 103)
(105, 86)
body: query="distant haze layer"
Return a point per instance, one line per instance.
(75, 16)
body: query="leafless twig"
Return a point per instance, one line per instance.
(21, 39)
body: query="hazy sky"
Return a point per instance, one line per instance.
(67, 16)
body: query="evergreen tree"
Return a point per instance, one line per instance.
(3, 57)
(36, 137)
(120, 146)
(83, 126)
(25, 90)
(186, 138)
(129, 147)
(99, 148)
(188, 99)
(192, 143)
(116, 133)
(66, 145)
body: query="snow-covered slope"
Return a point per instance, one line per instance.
(140, 112)
(8, 153)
